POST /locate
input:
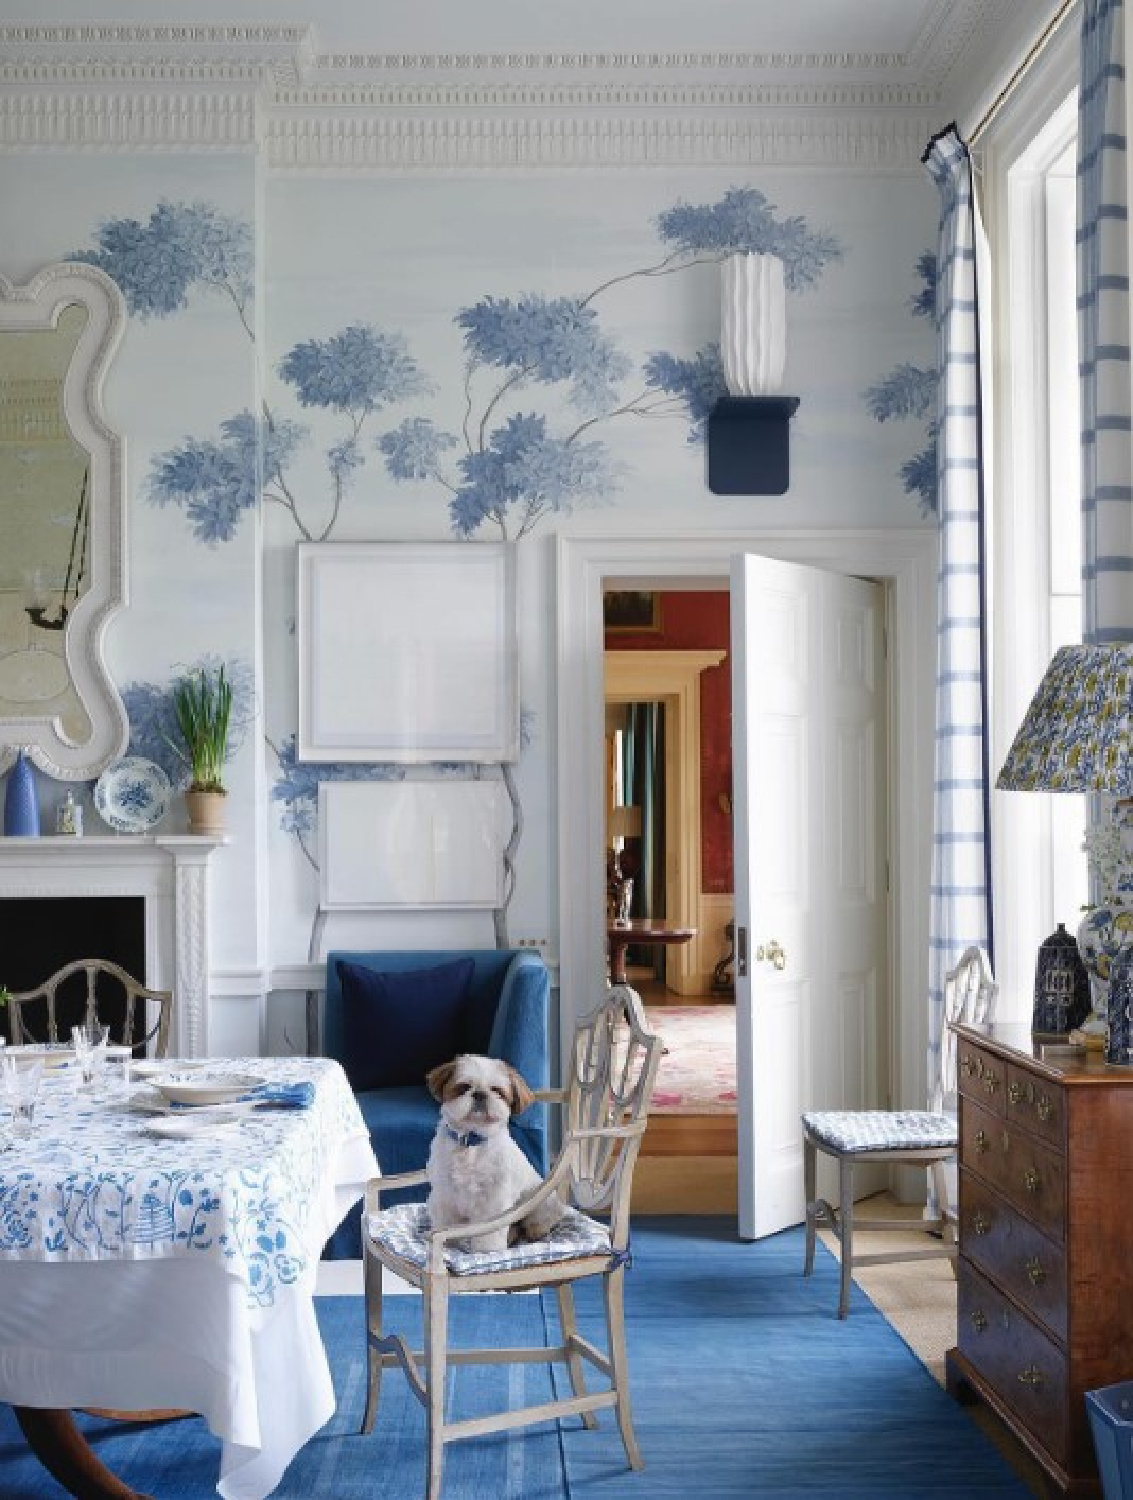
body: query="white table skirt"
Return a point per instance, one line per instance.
(181, 1331)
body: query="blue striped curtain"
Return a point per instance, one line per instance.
(1103, 328)
(960, 910)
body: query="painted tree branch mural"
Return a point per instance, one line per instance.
(909, 391)
(513, 465)
(542, 384)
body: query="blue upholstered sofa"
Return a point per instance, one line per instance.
(503, 1012)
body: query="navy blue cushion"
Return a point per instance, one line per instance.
(399, 1025)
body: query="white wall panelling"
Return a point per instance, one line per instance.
(411, 843)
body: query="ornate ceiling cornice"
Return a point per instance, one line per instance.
(215, 87)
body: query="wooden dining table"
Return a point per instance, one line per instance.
(142, 1270)
(643, 930)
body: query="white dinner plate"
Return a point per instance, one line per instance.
(203, 1087)
(159, 1067)
(190, 1127)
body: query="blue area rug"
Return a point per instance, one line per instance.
(745, 1383)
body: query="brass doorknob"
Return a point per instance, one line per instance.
(774, 953)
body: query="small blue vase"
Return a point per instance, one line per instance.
(1119, 1046)
(21, 800)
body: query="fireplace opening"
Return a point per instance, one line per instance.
(40, 934)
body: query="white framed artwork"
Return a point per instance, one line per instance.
(407, 651)
(389, 844)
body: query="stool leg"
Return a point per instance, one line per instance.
(810, 1193)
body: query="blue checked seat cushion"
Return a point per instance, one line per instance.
(404, 1231)
(881, 1129)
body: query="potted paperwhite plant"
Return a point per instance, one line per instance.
(202, 708)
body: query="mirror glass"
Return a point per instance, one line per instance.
(60, 519)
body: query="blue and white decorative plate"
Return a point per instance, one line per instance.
(132, 795)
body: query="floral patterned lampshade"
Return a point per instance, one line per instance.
(1075, 737)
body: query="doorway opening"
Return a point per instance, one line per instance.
(904, 561)
(667, 693)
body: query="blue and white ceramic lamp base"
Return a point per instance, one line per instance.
(1105, 940)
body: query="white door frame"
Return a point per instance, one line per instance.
(905, 560)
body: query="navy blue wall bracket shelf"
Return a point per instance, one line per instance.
(749, 445)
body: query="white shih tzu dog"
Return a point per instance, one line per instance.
(475, 1169)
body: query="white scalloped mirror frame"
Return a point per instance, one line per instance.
(38, 306)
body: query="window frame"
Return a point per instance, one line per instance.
(1020, 153)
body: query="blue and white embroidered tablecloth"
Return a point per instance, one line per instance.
(137, 1271)
(93, 1184)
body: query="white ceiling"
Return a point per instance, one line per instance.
(949, 47)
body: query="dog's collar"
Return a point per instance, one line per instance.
(465, 1137)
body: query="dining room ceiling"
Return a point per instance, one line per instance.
(938, 49)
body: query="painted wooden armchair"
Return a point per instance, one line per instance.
(88, 990)
(612, 1068)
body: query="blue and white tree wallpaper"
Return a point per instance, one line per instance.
(497, 356)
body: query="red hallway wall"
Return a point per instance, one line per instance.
(701, 621)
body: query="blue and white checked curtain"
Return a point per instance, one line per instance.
(1103, 328)
(960, 909)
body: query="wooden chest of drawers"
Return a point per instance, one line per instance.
(1045, 1271)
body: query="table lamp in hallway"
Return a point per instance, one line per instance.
(625, 823)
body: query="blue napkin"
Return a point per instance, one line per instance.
(284, 1096)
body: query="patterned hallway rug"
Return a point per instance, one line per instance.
(744, 1381)
(698, 1069)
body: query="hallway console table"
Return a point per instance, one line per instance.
(643, 930)
(1045, 1267)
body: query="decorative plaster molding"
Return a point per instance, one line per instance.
(837, 64)
(126, 121)
(361, 141)
(120, 87)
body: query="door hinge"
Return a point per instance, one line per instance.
(741, 952)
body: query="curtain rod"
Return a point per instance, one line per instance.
(1022, 70)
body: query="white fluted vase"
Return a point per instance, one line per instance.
(753, 324)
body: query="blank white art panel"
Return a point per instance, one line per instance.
(407, 652)
(411, 843)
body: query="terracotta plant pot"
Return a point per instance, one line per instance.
(206, 811)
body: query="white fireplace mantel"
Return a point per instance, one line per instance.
(169, 873)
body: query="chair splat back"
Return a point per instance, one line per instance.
(138, 1017)
(969, 997)
(614, 1065)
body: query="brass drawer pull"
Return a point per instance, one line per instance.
(991, 1082)
(1045, 1108)
(968, 1065)
(1017, 1093)
(1035, 1273)
(1031, 1180)
(981, 1222)
(1032, 1376)
(982, 1142)
(979, 1321)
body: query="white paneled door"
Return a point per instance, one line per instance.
(809, 741)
